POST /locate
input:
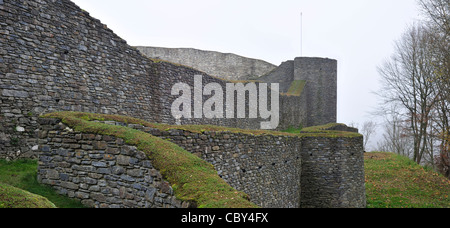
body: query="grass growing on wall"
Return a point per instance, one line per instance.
(317, 131)
(294, 130)
(392, 181)
(192, 178)
(296, 88)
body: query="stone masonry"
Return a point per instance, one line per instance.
(275, 171)
(55, 57)
(100, 171)
(223, 65)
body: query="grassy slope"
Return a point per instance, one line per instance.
(393, 181)
(23, 174)
(11, 197)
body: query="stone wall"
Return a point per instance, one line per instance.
(333, 172)
(223, 65)
(275, 171)
(266, 167)
(320, 75)
(318, 100)
(56, 57)
(100, 171)
(290, 115)
(283, 74)
(284, 171)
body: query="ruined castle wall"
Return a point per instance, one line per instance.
(294, 112)
(290, 111)
(317, 104)
(266, 167)
(275, 171)
(281, 171)
(55, 57)
(333, 171)
(223, 65)
(100, 171)
(284, 74)
(321, 91)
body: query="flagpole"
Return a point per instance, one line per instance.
(301, 34)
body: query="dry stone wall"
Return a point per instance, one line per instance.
(321, 91)
(333, 171)
(224, 65)
(101, 171)
(317, 104)
(266, 167)
(173, 75)
(55, 57)
(275, 171)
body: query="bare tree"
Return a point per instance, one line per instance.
(407, 79)
(368, 129)
(437, 13)
(416, 82)
(396, 137)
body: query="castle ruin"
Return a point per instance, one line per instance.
(55, 57)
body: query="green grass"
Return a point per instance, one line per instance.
(294, 130)
(393, 181)
(320, 131)
(22, 174)
(193, 179)
(11, 197)
(296, 88)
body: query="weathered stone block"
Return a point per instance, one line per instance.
(15, 93)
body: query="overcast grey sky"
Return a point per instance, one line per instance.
(358, 33)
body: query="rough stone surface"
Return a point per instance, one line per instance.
(317, 104)
(113, 176)
(275, 171)
(321, 90)
(224, 65)
(56, 57)
(333, 171)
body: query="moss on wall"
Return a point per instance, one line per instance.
(192, 178)
(296, 88)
